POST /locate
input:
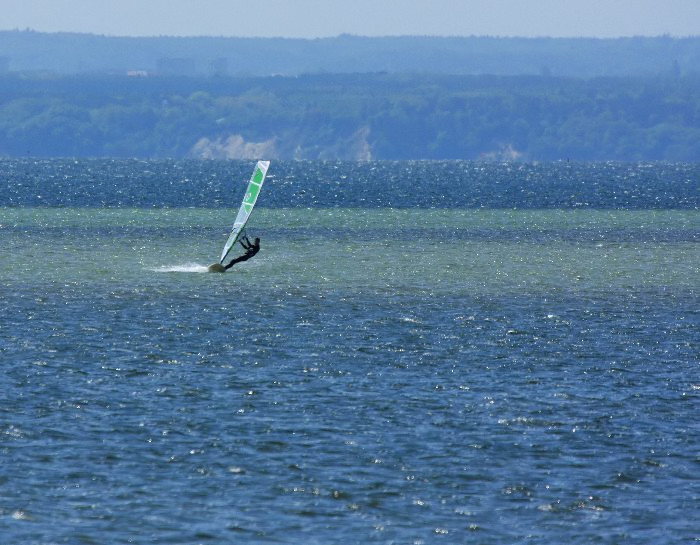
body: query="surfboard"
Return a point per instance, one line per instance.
(216, 267)
(249, 199)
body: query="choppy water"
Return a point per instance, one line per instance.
(391, 374)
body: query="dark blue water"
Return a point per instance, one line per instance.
(455, 375)
(425, 184)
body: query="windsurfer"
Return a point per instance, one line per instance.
(251, 248)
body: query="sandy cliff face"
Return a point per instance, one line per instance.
(234, 147)
(355, 147)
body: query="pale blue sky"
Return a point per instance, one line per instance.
(322, 18)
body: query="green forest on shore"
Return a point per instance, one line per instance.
(474, 98)
(353, 116)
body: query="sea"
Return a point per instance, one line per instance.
(422, 352)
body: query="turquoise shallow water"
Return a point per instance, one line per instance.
(391, 375)
(467, 251)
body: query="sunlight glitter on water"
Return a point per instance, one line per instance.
(372, 375)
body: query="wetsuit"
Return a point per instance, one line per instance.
(251, 248)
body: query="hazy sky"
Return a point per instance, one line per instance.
(320, 18)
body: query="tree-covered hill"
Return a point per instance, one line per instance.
(66, 53)
(352, 116)
(350, 97)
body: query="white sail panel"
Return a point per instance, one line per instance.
(249, 200)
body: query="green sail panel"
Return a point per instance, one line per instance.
(251, 196)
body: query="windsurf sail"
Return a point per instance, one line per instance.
(251, 196)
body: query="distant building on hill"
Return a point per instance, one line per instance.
(218, 67)
(176, 66)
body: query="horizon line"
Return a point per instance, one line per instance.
(351, 35)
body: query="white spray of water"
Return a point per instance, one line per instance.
(186, 268)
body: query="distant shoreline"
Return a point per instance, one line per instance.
(76, 53)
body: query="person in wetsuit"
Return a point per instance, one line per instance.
(251, 248)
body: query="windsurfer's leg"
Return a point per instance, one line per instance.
(244, 257)
(232, 263)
